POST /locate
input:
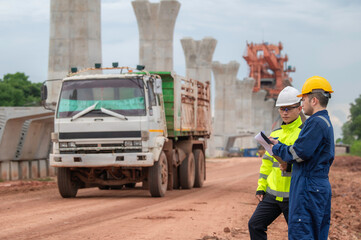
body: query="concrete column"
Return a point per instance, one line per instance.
(225, 77)
(156, 23)
(244, 90)
(224, 124)
(269, 107)
(198, 55)
(75, 39)
(258, 99)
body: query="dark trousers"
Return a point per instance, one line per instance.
(266, 212)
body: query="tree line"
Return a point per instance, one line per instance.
(16, 90)
(351, 130)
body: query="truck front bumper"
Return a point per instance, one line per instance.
(102, 160)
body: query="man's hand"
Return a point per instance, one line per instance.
(283, 166)
(259, 197)
(274, 141)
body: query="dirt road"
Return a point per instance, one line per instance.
(220, 210)
(226, 200)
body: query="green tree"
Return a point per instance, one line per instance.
(17, 90)
(348, 137)
(355, 121)
(356, 148)
(351, 130)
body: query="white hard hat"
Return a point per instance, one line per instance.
(287, 97)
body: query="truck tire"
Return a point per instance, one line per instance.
(158, 177)
(67, 187)
(199, 168)
(187, 172)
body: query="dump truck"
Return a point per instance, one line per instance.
(130, 126)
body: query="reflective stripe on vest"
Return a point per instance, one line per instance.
(266, 157)
(261, 175)
(324, 119)
(286, 174)
(277, 193)
(294, 155)
(276, 164)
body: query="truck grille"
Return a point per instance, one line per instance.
(100, 148)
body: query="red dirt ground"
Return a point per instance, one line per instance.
(218, 211)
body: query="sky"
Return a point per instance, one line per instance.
(320, 37)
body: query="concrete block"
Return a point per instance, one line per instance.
(14, 170)
(37, 140)
(5, 170)
(43, 168)
(34, 169)
(11, 132)
(24, 171)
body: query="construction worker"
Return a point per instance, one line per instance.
(312, 155)
(273, 184)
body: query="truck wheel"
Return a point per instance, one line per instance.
(68, 188)
(158, 177)
(200, 168)
(187, 172)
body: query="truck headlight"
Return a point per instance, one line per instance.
(67, 145)
(63, 144)
(137, 143)
(128, 143)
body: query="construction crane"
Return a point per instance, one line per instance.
(268, 67)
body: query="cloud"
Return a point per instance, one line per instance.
(17, 11)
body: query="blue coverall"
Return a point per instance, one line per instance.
(310, 193)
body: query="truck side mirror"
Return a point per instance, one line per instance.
(44, 92)
(158, 86)
(44, 97)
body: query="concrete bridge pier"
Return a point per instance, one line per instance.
(156, 23)
(198, 55)
(225, 121)
(244, 90)
(75, 39)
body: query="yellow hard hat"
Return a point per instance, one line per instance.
(315, 82)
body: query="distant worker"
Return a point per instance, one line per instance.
(273, 184)
(312, 155)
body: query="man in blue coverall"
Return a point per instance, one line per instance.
(312, 155)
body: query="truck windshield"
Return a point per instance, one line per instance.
(124, 96)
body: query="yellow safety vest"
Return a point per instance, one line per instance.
(271, 179)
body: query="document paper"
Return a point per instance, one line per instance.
(264, 141)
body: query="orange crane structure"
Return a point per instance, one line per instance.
(268, 67)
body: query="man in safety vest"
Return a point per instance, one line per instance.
(312, 155)
(273, 184)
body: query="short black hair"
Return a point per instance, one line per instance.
(322, 98)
